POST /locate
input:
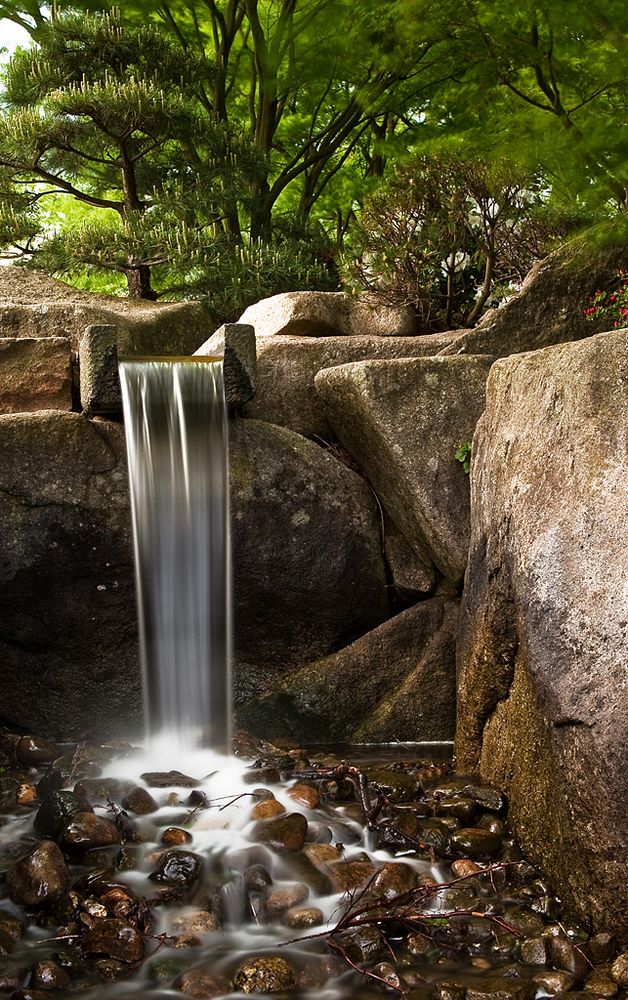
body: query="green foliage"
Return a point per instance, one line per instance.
(462, 454)
(612, 302)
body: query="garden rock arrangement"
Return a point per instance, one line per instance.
(355, 879)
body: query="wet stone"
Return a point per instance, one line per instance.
(534, 951)
(7, 944)
(177, 868)
(363, 944)
(267, 775)
(447, 990)
(461, 808)
(26, 795)
(169, 779)
(48, 975)
(115, 939)
(567, 957)
(476, 843)
(397, 785)
(30, 993)
(601, 983)
(465, 868)
(11, 926)
(257, 878)
(269, 809)
(301, 917)
(305, 795)
(287, 831)
(619, 970)
(11, 975)
(350, 875)
(86, 830)
(501, 988)
(175, 835)
(322, 854)
(34, 750)
(281, 899)
(196, 922)
(554, 981)
(392, 880)
(165, 969)
(267, 974)
(200, 982)
(487, 797)
(434, 834)
(492, 823)
(56, 810)
(140, 802)
(600, 948)
(40, 877)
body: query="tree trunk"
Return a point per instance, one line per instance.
(138, 282)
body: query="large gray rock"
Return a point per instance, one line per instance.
(35, 374)
(235, 344)
(549, 308)
(101, 392)
(402, 421)
(68, 642)
(309, 572)
(396, 682)
(327, 314)
(543, 641)
(286, 367)
(34, 305)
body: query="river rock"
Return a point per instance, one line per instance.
(543, 702)
(501, 988)
(266, 974)
(40, 877)
(177, 868)
(287, 366)
(139, 801)
(549, 308)
(200, 982)
(176, 836)
(67, 592)
(86, 830)
(285, 831)
(267, 809)
(55, 811)
(35, 305)
(116, 939)
(325, 314)
(48, 975)
(554, 982)
(396, 682)
(284, 898)
(475, 843)
(292, 506)
(304, 795)
(36, 750)
(301, 917)
(619, 969)
(402, 422)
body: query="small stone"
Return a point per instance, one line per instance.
(86, 830)
(7, 944)
(392, 880)
(33, 750)
(257, 878)
(265, 974)
(386, 971)
(26, 795)
(418, 944)
(619, 969)
(397, 785)
(363, 944)
(601, 983)
(109, 969)
(322, 854)
(30, 993)
(305, 795)
(476, 843)
(448, 990)
(287, 831)
(115, 939)
(281, 899)
(11, 926)
(201, 983)
(163, 969)
(487, 797)
(140, 802)
(554, 981)
(177, 868)
(567, 957)
(492, 823)
(268, 809)
(600, 948)
(350, 875)
(56, 810)
(11, 975)
(48, 975)
(301, 917)
(269, 775)
(40, 877)
(458, 806)
(175, 835)
(197, 922)
(465, 868)
(501, 988)
(534, 951)
(169, 779)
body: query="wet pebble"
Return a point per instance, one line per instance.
(115, 939)
(11, 926)
(268, 809)
(34, 750)
(566, 956)
(301, 917)
(140, 802)
(257, 878)
(350, 875)
(40, 877)
(168, 779)
(464, 868)
(554, 981)
(476, 843)
(392, 880)
(459, 807)
(56, 810)
(600, 948)
(48, 975)
(534, 951)
(501, 988)
(175, 835)
(287, 831)
(619, 970)
(25, 795)
(200, 982)
(305, 795)
(601, 983)
(266, 974)
(86, 830)
(281, 899)
(195, 922)
(322, 854)
(177, 868)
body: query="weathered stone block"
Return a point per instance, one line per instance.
(235, 343)
(327, 314)
(35, 374)
(98, 361)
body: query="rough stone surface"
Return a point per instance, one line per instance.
(34, 305)
(549, 307)
(309, 572)
(235, 343)
(396, 682)
(543, 690)
(286, 367)
(35, 374)
(98, 367)
(412, 576)
(327, 314)
(67, 603)
(402, 421)
(40, 877)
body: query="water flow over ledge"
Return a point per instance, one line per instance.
(174, 412)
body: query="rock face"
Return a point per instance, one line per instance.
(327, 314)
(35, 374)
(287, 367)
(309, 570)
(68, 642)
(34, 305)
(235, 344)
(543, 690)
(396, 682)
(402, 421)
(549, 307)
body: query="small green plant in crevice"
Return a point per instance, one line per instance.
(612, 303)
(463, 455)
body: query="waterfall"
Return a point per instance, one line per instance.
(175, 418)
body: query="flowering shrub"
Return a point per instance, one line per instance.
(612, 303)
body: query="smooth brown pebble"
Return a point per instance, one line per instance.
(175, 835)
